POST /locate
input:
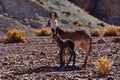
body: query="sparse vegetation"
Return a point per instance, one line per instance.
(41, 1)
(101, 24)
(95, 32)
(78, 23)
(103, 65)
(67, 12)
(89, 23)
(14, 36)
(108, 31)
(43, 31)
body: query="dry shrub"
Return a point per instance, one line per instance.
(95, 32)
(41, 1)
(14, 36)
(118, 28)
(103, 65)
(67, 12)
(101, 24)
(110, 31)
(78, 23)
(89, 23)
(43, 31)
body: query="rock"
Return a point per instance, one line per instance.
(101, 41)
(116, 40)
(22, 8)
(36, 24)
(37, 17)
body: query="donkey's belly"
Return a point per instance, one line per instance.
(83, 45)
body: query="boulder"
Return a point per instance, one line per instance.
(36, 24)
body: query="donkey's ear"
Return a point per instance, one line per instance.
(53, 30)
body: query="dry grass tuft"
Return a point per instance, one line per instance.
(101, 24)
(43, 31)
(14, 36)
(41, 1)
(110, 31)
(107, 31)
(78, 23)
(95, 32)
(67, 12)
(103, 65)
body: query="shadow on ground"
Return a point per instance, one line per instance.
(46, 69)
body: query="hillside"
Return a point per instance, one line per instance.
(75, 14)
(28, 8)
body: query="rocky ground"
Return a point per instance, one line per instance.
(38, 60)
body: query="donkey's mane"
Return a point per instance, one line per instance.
(61, 31)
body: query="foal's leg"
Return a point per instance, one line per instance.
(61, 56)
(74, 57)
(71, 54)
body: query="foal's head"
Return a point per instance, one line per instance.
(59, 30)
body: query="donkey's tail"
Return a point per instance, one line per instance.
(90, 46)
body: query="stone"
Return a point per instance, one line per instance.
(36, 24)
(102, 40)
(116, 40)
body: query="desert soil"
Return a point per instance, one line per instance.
(38, 60)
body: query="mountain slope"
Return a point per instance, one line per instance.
(20, 9)
(76, 13)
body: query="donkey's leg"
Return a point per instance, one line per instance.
(85, 62)
(74, 58)
(85, 47)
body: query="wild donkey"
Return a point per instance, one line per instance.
(65, 44)
(81, 40)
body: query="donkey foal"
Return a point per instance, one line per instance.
(65, 44)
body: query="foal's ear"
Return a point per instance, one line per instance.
(53, 30)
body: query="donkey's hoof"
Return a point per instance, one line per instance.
(62, 68)
(83, 66)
